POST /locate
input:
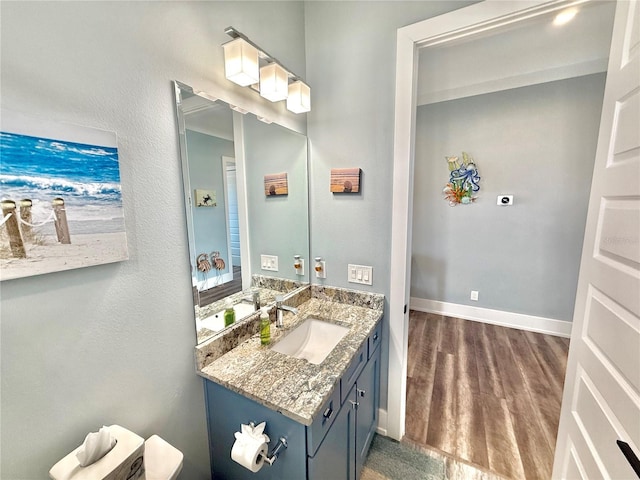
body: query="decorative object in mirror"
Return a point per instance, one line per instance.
(229, 155)
(242, 60)
(205, 198)
(276, 184)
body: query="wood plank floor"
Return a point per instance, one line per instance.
(485, 394)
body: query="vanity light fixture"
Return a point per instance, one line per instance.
(275, 82)
(565, 16)
(299, 99)
(241, 64)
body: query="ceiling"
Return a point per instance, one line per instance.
(529, 52)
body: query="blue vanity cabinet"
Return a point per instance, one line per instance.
(367, 396)
(335, 459)
(333, 447)
(226, 411)
(344, 449)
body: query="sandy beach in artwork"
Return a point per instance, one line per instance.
(51, 256)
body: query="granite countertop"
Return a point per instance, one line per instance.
(291, 386)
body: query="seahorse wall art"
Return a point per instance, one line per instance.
(463, 180)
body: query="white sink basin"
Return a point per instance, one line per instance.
(312, 340)
(215, 322)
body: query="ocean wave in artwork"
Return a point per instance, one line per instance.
(60, 185)
(86, 177)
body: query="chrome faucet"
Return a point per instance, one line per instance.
(280, 308)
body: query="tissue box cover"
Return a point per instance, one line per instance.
(124, 462)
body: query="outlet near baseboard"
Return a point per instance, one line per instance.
(474, 295)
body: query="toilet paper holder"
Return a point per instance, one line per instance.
(270, 459)
(282, 443)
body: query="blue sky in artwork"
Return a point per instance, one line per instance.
(87, 177)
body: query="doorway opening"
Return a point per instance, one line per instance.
(435, 283)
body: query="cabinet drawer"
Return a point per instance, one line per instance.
(320, 426)
(350, 376)
(374, 339)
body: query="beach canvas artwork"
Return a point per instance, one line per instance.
(345, 180)
(276, 184)
(65, 183)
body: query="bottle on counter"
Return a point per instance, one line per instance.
(229, 313)
(265, 326)
(255, 297)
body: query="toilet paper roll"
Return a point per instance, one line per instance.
(249, 452)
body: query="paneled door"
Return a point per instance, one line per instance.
(599, 432)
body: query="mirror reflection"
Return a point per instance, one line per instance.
(246, 201)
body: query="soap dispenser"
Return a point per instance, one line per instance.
(298, 264)
(320, 268)
(265, 326)
(229, 313)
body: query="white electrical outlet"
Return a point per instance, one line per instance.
(360, 274)
(269, 262)
(474, 295)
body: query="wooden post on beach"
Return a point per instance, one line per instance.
(15, 239)
(25, 216)
(62, 228)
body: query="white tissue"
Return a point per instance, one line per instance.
(95, 446)
(250, 447)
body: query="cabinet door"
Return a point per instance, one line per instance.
(367, 397)
(335, 459)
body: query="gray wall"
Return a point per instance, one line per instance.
(351, 70)
(114, 343)
(537, 143)
(279, 225)
(205, 154)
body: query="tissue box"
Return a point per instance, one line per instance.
(125, 461)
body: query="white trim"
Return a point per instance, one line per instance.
(243, 203)
(516, 81)
(225, 183)
(549, 326)
(457, 24)
(382, 420)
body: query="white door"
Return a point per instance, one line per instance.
(601, 403)
(232, 201)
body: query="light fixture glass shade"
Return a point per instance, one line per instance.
(274, 82)
(299, 99)
(241, 62)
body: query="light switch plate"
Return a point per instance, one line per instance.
(361, 274)
(269, 262)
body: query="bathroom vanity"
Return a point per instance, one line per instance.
(327, 412)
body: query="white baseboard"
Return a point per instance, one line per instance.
(382, 422)
(550, 326)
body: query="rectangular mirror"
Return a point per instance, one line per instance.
(246, 198)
